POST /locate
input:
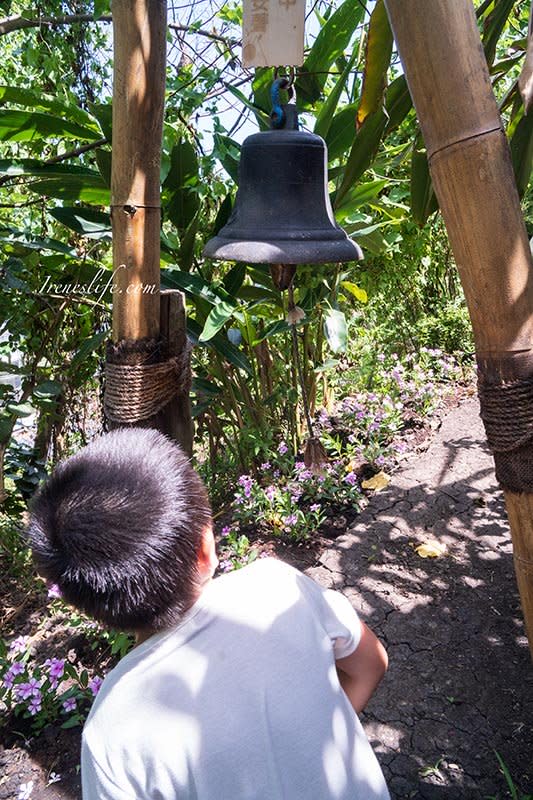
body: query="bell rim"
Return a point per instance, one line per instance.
(284, 251)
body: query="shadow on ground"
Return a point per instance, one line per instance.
(460, 680)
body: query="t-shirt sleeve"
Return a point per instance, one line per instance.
(341, 622)
(332, 609)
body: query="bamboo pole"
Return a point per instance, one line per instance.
(472, 174)
(139, 30)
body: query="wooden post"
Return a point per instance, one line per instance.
(175, 418)
(473, 179)
(148, 325)
(139, 30)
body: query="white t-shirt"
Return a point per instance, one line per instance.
(240, 701)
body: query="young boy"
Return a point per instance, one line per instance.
(243, 687)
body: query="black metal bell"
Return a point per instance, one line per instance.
(282, 212)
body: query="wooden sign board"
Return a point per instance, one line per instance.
(273, 33)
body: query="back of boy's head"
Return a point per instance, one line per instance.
(118, 528)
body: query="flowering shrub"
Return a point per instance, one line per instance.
(43, 692)
(289, 499)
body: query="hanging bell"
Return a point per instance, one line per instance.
(282, 213)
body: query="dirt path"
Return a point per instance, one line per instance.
(460, 680)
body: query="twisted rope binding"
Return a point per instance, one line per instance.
(137, 391)
(507, 414)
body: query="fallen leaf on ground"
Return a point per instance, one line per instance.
(377, 483)
(431, 549)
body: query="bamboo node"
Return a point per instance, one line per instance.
(136, 386)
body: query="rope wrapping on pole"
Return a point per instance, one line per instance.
(507, 414)
(138, 391)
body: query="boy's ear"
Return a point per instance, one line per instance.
(207, 556)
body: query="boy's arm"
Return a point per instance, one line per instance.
(361, 671)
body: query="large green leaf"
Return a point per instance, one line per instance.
(398, 103)
(103, 112)
(18, 167)
(522, 152)
(193, 285)
(423, 200)
(228, 153)
(86, 221)
(182, 180)
(341, 131)
(89, 346)
(221, 345)
(27, 126)
(493, 26)
(365, 146)
(103, 161)
(187, 244)
(88, 188)
(360, 194)
(377, 61)
(16, 95)
(22, 242)
(331, 42)
(262, 116)
(335, 329)
(234, 279)
(325, 117)
(217, 318)
(261, 105)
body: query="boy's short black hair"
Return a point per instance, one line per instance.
(118, 527)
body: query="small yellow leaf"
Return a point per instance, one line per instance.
(377, 483)
(431, 549)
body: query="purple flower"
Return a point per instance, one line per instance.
(226, 530)
(266, 465)
(270, 493)
(8, 680)
(35, 705)
(16, 668)
(226, 565)
(19, 645)
(54, 591)
(30, 689)
(315, 508)
(351, 478)
(282, 448)
(246, 481)
(95, 684)
(380, 460)
(69, 704)
(56, 667)
(290, 520)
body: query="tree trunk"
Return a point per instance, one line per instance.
(473, 179)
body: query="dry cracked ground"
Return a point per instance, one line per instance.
(460, 679)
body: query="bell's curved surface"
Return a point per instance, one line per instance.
(282, 212)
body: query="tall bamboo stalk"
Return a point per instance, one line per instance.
(472, 175)
(139, 30)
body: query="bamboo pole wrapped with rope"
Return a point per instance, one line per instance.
(473, 178)
(148, 359)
